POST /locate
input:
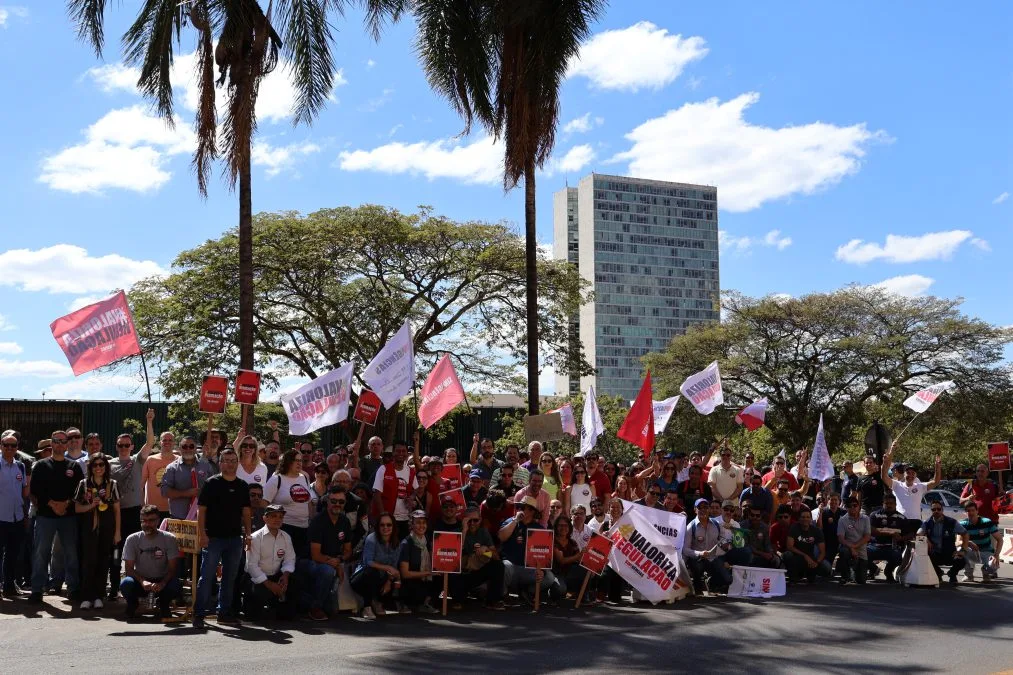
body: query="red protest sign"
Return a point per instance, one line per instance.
(247, 387)
(998, 456)
(214, 394)
(538, 549)
(456, 495)
(97, 335)
(447, 552)
(452, 474)
(596, 554)
(368, 408)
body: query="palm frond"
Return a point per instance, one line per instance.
(379, 12)
(308, 38)
(206, 119)
(149, 43)
(89, 18)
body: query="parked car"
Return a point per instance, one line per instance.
(954, 485)
(951, 504)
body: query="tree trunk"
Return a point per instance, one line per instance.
(531, 274)
(245, 266)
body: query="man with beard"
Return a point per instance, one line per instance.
(127, 470)
(184, 479)
(151, 557)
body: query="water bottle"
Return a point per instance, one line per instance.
(150, 601)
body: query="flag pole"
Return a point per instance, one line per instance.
(146, 382)
(906, 428)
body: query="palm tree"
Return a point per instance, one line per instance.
(243, 40)
(502, 62)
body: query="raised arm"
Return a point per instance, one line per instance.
(939, 474)
(149, 438)
(884, 471)
(474, 449)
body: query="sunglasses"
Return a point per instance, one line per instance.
(123, 445)
(336, 502)
(187, 446)
(507, 475)
(59, 441)
(247, 445)
(554, 507)
(471, 521)
(100, 465)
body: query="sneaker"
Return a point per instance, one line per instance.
(426, 608)
(368, 613)
(86, 604)
(317, 614)
(98, 604)
(378, 609)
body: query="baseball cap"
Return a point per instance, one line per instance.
(702, 500)
(274, 508)
(419, 514)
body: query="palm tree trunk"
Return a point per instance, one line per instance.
(245, 266)
(531, 274)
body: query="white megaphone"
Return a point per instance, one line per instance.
(918, 570)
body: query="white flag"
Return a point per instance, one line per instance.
(646, 559)
(921, 400)
(591, 426)
(703, 389)
(820, 466)
(671, 526)
(391, 373)
(566, 417)
(322, 402)
(662, 412)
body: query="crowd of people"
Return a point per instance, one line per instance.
(297, 531)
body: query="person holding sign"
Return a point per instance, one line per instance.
(482, 564)
(97, 504)
(566, 557)
(151, 557)
(981, 492)
(513, 540)
(377, 574)
(415, 563)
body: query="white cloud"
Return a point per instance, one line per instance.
(909, 285)
(774, 238)
(65, 268)
(279, 158)
(1001, 198)
(113, 77)
(33, 369)
(78, 303)
(127, 149)
(575, 159)
(547, 381)
(394, 129)
(981, 244)
(5, 324)
(904, 249)
(7, 12)
(96, 387)
(642, 56)
(10, 348)
(480, 161)
(582, 124)
(694, 83)
(711, 143)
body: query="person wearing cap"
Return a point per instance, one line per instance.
(534, 490)
(513, 541)
(330, 544)
(13, 491)
(415, 565)
(448, 520)
(905, 484)
(270, 563)
(703, 551)
(733, 541)
(475, 491)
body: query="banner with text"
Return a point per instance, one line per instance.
(921, 400)
(247, 387)
(645, 559)
(441, 393)
(596, 554)
(367, 408)
(663, 412)
(703, 389)
(672, 526)
(97, 335)
(214, 394)
(391, 373)
(538, 549)
(322, 402)
(447, 552)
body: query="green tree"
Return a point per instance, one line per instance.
(852, 355)
(503, 62)
(244, 42)
(336, 284)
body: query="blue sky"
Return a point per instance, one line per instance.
(851, 142)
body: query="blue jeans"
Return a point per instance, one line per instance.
(317, 580)
(45, 529)
(132, 592)
(226, 551)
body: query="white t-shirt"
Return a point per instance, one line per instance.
(292, 493)
(726, 481)
(583, 536)
(401, 511)
(258, 477)
(595, 526)
(580, 495)
(909, 499)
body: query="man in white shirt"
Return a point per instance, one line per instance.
(581, 532)
(597, 518)
(725, 478)
(269, 564)
(909, 490)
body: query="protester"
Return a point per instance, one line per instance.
(513, 538)
(551, 482)
(905, 484)
(75, 447)
(128, 471)
(806, 554)
(853, 533)
(415, 562)
(565, 559)
(985, 542)
(153, 471)
(758, 496)
(321, 482)
(828, 519)
(941, 531)
(703, 552)
(481, 564)
(597, 478)
(506, 483)
(581, 531)
(623, 489)
(369, 465)
(289, 488)
(771, 478)
(725, 478)
(580, 493)
(520, 474)
(97, 504)
(888, 535)
(871, 487)
(377, 575)
(597, 519)
(224, 527)
(692, 490)
(13, 491)
(475, 491)
(981, 492)
(541, 496)
(270, 563)
(652, 498)
(392, 485)
(758, 540)
(251, 470)
(151, 558)
(183, 479)
(330, 547)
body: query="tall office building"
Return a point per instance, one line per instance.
(650, 249)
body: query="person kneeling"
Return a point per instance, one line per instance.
(270, 563)
(704, 553)
(151, 557)
(415, 562)
(513, 539)
(330, 537)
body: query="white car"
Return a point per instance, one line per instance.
(951, 504)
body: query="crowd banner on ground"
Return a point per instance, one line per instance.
(591, 426)
(391, 373)
(998, 456)
(547, 427)
(367, 408)
(447, 552)
(97, 335)
(538, 549)
(753, 415)
(703, 389)
(646, 559)
(247, 387)
(638, 427)
(756, 582)
(921, 400)
(820, 466)
(214, 394)
(441, 393)
(566, 419)
(663, 412)
(320, 403)
(596, 554)
(671, 526)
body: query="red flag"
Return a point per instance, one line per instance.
(753, 415)
(440, 394)
(97, 335)
(638, 427)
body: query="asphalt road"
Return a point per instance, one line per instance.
(823, 628)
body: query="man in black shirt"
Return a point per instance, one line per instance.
(888, 538)
(53, 483)
(330, 537)
(870, 487)
(448, 521)
(224, 526)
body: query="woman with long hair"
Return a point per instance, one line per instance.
(415, 563)
(566, 558)
(250, 469)
(623, 490)
(552, 482)
(612, 472)
(377, 575)
(581, 492)
(289, 488)
(321, 483)
(422, 498)
(97, 504)
(668, 480)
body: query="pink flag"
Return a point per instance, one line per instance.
(440, 394)
(752, 416)
(97, 335)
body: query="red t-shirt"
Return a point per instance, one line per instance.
(792, 481)
(602, 486)
(493, 520)
(983, 498)
(779, 536)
